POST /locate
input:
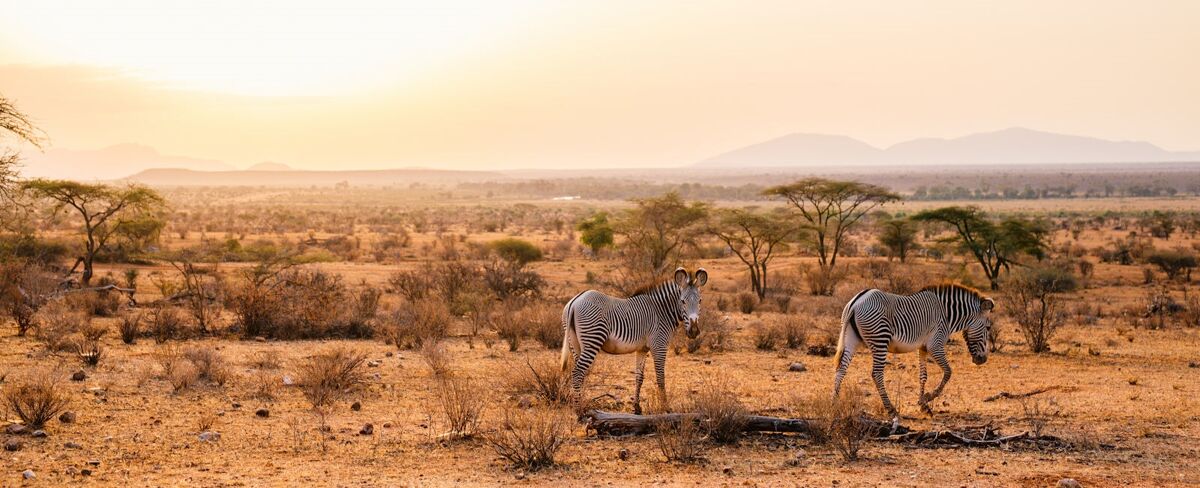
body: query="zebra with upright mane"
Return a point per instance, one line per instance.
(644, 322)
(886, 322)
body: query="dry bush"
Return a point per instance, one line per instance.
(823, 344)
(722, 415)
(183, 375)
(715, 334)
(413, 285)
(210, 364)
(794, 329)
(264, 385)
(529, 439)
(436, 358)
(746, 302)
(24, 289)
(838, 422)
(90, 349)
(460, 402)
(360, 315)
(543, 378)
(268, 359)
(166, 323)
(510, 280)
(328, 376)
(302, 304)
(130, 326)
(412, 326)
(36, 399)
(59, 326)
(545, 323)
(510, 327)
(766, 336)
(96, 303)
(680, 442)
(823, 281)
(1034, 301)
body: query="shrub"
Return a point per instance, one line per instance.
(746, 302)
(59, 326)
(680, 442)
(364, 306)
(434, 354)
(1175, 263)
(24, 289)
(460, 402)
(210, 364)
(839, 422)
(328, 376)
(510, 327)
(794, 331)
(766, 336)
(166, 323)
(103, 303)
(301, 304)
(129, 327)
(507, 280)
(89, 347)
(1034, 302)
(543, 378)
(516, 251)
(36, 399)
(823, 281)
(529, 439)
(183, 375)
(412, 326)
(545, 323)
(412, 285)
(722, 415)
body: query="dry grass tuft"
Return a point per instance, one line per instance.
(460, 403)
(721, 412)
(838, 422)
(36, 400)
(529, 439)
(543, 378)
(328, 376)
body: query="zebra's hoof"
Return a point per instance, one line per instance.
(925, 408)
(637, 409)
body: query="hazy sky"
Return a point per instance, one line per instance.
(478, 84)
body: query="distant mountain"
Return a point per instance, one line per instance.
(108, 163)
(269, 166)
(293, 178)
(1008, 146)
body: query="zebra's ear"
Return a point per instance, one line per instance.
(987, 304)
(701, 277)
(681, 277)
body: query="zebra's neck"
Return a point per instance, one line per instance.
(959, 305)
(661, 299)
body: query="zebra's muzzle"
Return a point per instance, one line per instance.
(978, 359)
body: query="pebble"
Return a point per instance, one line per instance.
(12, 445)
(367, 429)
(262, 412)
(387, 425)
(85, 472)
(78, 375)
(72, 445)
(260, 339)
(67, 417)
(29, 474)
(236, 405)
(1068, 483)
(39, 433)
(15, 429)
(623, 454)
(288, 381)
(1193, 364)
(356, 406)
(797, 367)
(388, 354)
(374, 363)
(209, 436)
(96, 462)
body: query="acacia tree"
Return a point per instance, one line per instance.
(899, 236)
(755, 238)
(995, 245)
(15, 124)
(660, 226)
(596, 233)
(106, 211)
(829, 209)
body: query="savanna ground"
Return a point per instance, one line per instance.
(1124, 393)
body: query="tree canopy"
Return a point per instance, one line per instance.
(754, 237)
(660, 226)
(995, 245)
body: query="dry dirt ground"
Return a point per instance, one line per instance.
(1126, 396)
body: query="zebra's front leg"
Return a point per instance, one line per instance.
(638, 374)
(660, 374)
(923, 399)
(939, 355)
(879, 359)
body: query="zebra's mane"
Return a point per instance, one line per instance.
(649, 287)
(941, 287)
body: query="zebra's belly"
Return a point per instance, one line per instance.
(901, 347)
(617, 346)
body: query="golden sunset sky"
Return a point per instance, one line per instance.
(584, 84)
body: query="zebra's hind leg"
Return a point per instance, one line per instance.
(587, 355)
(923, 399)
(879, 359)
(849, 342)
(639, 373)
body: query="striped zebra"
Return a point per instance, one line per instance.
(644, 322)
(922, 322)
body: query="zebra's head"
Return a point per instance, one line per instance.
(979, 330)
(688, 308)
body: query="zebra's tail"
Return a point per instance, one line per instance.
(847, 323)
(569, 337)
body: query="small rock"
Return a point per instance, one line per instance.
(389, 354)
(387, 425)
(727, 470)
(1193, 364)
(15, 429)
(67, 417)
(96, 462)
(78, 375)
(260, 339)
(72, 445)
(374, 363)
(39, 433)
(85, 472)
(377, 376)
(1068, 483)
(288, 381)
(356, 406)
(520, 475)
(236, 405)
(623, 454)
(209, 436)
(262, 412)
(367, 429)
(96, 390)
(12, 445)
(29, 474)
(797, 368)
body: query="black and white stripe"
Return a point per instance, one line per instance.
(923, 322)
(645, 322)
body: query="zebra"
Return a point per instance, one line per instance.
(923, 322)
(644, 322)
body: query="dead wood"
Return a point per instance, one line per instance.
(1005, 394)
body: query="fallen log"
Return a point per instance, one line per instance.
(622, 424)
